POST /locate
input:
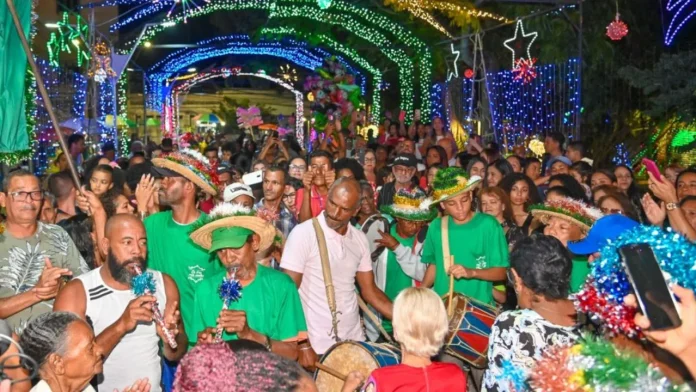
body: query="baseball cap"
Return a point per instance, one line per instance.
(223, 168)
(559, 158)
(605, 229)
(237, 189)
(229, 237)
(408, 160)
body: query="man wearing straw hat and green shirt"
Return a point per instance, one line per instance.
(476, 241)
(399, 266)
(171, 250)
(269, 310)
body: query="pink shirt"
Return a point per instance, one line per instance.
(348, 254)
(317, 202)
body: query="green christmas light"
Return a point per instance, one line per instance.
(69, 39)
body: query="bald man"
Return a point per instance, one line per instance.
(123, 323)
(349, 261)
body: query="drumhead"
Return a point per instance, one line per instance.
(373, 225)
(346, 357)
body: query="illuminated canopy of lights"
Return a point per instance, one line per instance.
(172, 113)
(365, 23)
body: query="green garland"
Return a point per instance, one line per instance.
(416, 215)
(448, 178)
(576, 216)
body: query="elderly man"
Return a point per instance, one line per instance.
(271, 206)
(348, 258)
(124, 323)
(269, 309)
(404, 168)
(35, 257)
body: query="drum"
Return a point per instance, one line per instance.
(349, 356)
(469, 328)
(371, 228)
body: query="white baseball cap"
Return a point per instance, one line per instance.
(237, 189)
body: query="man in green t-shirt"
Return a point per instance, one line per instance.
(475, 241)
(170, 249)
(399, 264)
(266, 307)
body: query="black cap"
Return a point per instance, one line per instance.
(160, 172)
(408, 160)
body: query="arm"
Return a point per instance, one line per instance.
(72, 299)
(306, 206)
(372, 294)
(495, 274)
(172, 293)
(429, 278)
(666, 192)
(284, 349)
(46, 288)
(264, 151)
(138, 310)
(410, 262)
(17, 303)
(296, 276)
(283, 150)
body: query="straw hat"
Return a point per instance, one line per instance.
(193, 166)
(573, 211)
(452, 181)
(411, 206)
(229, 216)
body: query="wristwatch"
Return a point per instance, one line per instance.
(671, 206)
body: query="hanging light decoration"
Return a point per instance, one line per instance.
(617, 29)
(288, 74)
(100, 69)
(524, 70)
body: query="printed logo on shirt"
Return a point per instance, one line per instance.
(481, 262)
(195, 273)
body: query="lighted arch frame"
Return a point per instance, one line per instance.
(225, 73)
(366, 32)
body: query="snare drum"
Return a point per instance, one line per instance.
(469, 328)
(350, 356)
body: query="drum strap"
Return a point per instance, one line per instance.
(331, 292)
(328, 281)
(446, 259)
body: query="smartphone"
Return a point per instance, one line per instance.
(654, 296)
(253, 178)
(651, 167)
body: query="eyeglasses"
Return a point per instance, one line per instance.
(370, 160)
(22, 196)
(611, 211)
(290, 196)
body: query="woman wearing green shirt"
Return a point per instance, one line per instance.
(269, 310)
(568, 220)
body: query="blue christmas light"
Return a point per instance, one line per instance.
(686, 11)
(622, 156)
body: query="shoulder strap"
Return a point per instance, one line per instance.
(445, 242)
(328, 281)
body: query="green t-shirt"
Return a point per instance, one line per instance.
(479, 243)
(271, 302)
(396, 280)
(171, 250)
(578, 275)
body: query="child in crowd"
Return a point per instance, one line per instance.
(101, 180)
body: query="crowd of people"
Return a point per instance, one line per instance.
(236, 265)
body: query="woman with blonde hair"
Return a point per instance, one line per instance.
(420, 326)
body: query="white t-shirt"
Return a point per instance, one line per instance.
(348, 254)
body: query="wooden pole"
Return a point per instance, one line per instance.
(450, 294)
(331, 371)
(44, 93)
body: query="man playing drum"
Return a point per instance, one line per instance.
(475, 241)
(399, 264)
(327, 284)
(268, 310)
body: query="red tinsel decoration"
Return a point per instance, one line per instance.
(617, 317)
(551, 373)
(469, 73)
(617, 29)
(524, 70)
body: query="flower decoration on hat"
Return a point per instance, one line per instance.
(595, 365)
(411, 206)
(193, 166)
(574, 211)
(452, 181)
(608, 284)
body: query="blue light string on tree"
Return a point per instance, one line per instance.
(622, 156)
(437, 100)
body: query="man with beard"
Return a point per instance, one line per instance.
(124, 324)
(404, 168)
(271, 207)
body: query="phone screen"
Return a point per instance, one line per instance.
(655, 298)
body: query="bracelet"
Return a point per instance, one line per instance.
(268, 344)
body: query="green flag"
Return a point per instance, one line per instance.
(13, 65)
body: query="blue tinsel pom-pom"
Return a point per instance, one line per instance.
(140, 284)
(516, 377)
(230, 290)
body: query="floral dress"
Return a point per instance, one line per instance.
(518, 339)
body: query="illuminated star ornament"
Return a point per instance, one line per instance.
(454, 72)
(519, 29)
(681, 11)
(524, 70)
(288, 74)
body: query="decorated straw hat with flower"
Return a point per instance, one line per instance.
(228, 223)
(451, 182)
(573, 211)
(411, 206)
(193, 166)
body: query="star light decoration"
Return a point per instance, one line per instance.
(520, 29)
(69, 38)
(288, 74)
(454, 72)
